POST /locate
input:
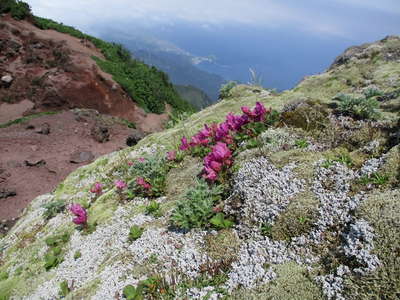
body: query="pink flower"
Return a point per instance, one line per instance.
(140, 181)
(210, 174)
(222, 131)
(216, 166)
(97, 189)
(120, 184)
(171, 155)
(221, 152)
(141, 159)
(184, 144)
(79, 212)
(257, 114)
(130, 163)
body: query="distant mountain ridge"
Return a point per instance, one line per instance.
(181, 70)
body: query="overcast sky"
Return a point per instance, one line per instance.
(340, 18)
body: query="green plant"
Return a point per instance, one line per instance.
(54, 255)
(374, 178)
(327, 163)
(132, 293)
(19, 10)
(358, 107)
(224, 91)
(53, 208)
(176, 118)
(195, 209)
(220, 222)
(152, 288)
(266, 229)
(3, 276)
(135, 232)
(302, 143)
(344, 159)
(77, 254)
(27, 118)
(153, 209)
(153, 170)
(64, 289)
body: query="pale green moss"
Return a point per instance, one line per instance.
(382, 211)
(292, 282)
(184, 176)
(298, 217)
(223, 246)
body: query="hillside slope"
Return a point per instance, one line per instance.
(300, 202)
(50, 67)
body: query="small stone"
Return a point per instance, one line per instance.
(35, 162)
(5, 193)
(134, 138)
(7, 79)
(44, 129)
(81, 156)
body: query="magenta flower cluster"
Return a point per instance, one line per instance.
(80, 213)
(143, 183)
(120, 184)
(219, 157)
(97, 189)
(220, 136)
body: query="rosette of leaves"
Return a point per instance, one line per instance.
(195, 209)
(135, 232)
(359, 107)
(53, 208)
(55, 254)
(154, 170)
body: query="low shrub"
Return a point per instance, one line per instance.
(359, 107)
(195, 209)
(225, 90)
(19, 10)
(148, 176)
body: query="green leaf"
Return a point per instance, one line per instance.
(64, 289)
(135, 233)
(220, 222)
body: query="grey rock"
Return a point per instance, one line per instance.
(100, 133)
(7, 78)
(44, 129)
(5, 193)
(134, 138)
(35, 162)
(81, 156)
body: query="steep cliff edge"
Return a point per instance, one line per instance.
(300, 202)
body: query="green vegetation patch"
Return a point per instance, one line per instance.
(27, 118)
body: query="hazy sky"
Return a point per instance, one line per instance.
(341, 18)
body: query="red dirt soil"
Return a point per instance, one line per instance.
(67, 135)
(55, 71)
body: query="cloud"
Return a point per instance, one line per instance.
(319, 17)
